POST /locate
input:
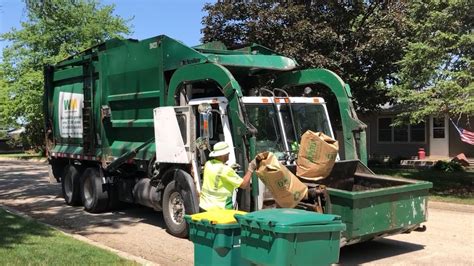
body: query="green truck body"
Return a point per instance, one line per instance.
(109, 138)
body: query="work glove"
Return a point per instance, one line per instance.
(235, 166)
(252, 165)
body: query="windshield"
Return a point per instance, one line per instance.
(269, 138)
(307, 117)
(264, 118)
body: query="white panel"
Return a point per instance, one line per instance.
(169, 144)
(227, 133)
(70, 114)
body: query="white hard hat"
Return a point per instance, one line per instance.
(220, 148)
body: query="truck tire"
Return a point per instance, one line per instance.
(70, 185)
(94, 198)
(174, 211)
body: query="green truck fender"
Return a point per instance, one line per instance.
(185, 184)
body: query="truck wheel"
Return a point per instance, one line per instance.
(174, 211)
(93, 197)
(70, 185)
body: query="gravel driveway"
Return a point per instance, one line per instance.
(137, 230)
(140, 231)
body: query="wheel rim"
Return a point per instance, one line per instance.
(176, 208)
(88, 189)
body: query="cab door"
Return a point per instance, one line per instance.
(173, 134)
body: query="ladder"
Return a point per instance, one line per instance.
(87, 110)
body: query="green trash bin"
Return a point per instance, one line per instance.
(216, 237)
(290, 237)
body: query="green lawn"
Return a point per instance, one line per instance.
(27, 242)
(455, 187)
(22, 155)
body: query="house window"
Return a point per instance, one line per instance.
(385, 130)
(438, 128)
(400, 134)
(417, 132)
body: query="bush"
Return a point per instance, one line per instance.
(446, 166)
(385, 161)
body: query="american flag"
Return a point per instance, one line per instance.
(466, 136)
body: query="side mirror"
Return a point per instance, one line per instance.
(205, 120)
(206, 126)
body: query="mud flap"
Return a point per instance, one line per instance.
(54, 172)
(52, 179)
(185, 185)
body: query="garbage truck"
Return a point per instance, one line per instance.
(133, 121)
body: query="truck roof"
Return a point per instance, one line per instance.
(252, 56)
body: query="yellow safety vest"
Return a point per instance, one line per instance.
(219, 183)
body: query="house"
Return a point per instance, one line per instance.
(437, 136)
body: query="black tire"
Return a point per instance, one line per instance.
(94, 198)
(71, 184)
(174, 210)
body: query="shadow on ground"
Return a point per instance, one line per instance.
(374, 250)
(25, 186)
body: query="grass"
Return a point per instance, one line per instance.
(457, 187)
(27, 242)
(21, 156)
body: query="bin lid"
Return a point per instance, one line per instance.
(291, 217)
(217, 216)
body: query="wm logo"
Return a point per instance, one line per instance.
(71, 104)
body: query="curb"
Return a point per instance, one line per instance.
(451, 206)
(119, 253)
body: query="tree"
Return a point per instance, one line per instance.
(53, 30)
(359, 40)
(3, 100)
(436, 73)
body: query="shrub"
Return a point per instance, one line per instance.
(446, 166)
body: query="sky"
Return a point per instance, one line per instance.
(179, 19)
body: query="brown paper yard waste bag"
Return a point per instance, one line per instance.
(316, 156)
(286, 188)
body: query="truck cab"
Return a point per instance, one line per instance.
(280, 123)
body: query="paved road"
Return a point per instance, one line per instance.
(140, 231)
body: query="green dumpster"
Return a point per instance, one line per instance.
(216, 237)
(290, 237)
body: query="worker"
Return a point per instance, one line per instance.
(221, 180)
